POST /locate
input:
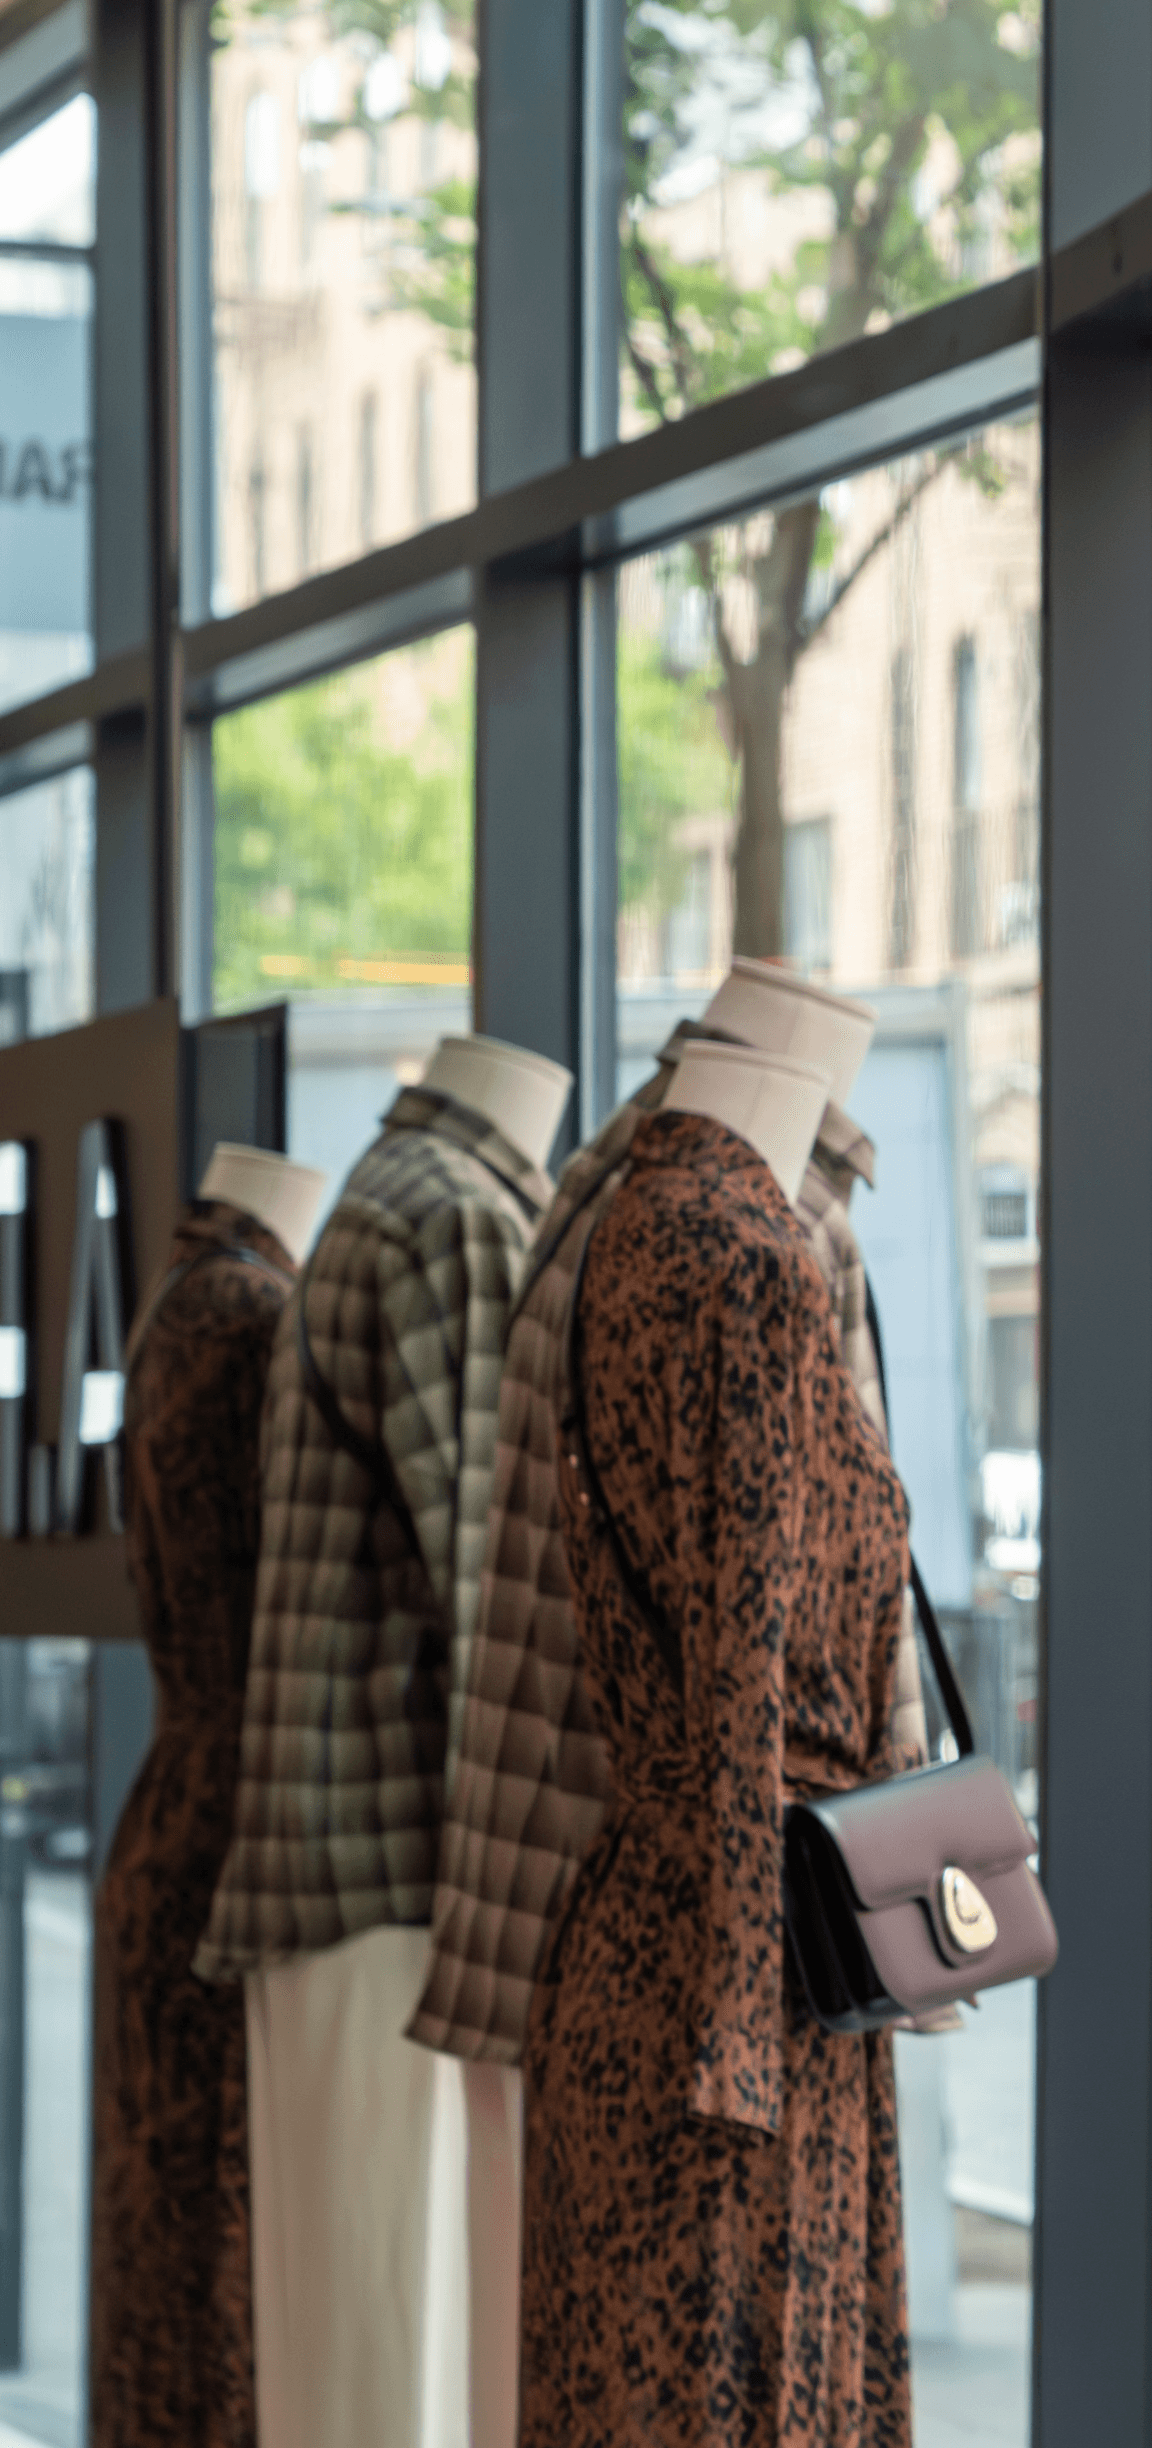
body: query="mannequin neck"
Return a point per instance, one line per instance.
(283, 1196)
(773, 1103)
(767, 1006)
(523, 1094)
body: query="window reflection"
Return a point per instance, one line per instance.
(46, 983)
(343, 209)
(344, 879)
(47, 201)
(796, 178)
(47, 911)
(828, 746)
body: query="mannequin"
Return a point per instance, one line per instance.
(771, 1102)
(172, 2300)
(765, 1005)
(283, 1195)
(733, 1534)
(523, 1094)
(359, 2139)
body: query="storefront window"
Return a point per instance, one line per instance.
(343, 234)
(45, 1948)
(47, 202)
(344, 880)
(795, 179)
(47, 914)
(46, 983)
(813, 708)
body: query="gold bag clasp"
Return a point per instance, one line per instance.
(968, 1916)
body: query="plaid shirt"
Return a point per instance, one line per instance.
(532, 1784)
(360, 1638)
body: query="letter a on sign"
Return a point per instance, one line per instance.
(92, 1401)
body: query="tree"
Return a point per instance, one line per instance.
(912, 128)
(673, 763)
(334, 849)
(875, 93)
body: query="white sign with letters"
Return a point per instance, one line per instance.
(45, 474)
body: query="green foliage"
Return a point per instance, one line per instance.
(870, 103)
(672, 764)
(331, 846)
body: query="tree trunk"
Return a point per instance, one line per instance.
(757, 692)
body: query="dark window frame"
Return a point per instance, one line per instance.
(533, 566)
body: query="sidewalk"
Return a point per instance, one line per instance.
(976, 2387)
(42, 2403)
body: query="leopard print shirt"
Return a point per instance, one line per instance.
(713, 2251)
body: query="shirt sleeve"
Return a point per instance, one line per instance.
(734, 1650)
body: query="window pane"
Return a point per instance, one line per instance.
(794, 178)
(47, 908)
(829, 754)
(47, 196)
(344, 879)
(343, 212)
(45, 1947)
(46, 982)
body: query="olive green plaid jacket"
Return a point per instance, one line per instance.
(361, 1632)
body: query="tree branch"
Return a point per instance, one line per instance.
(646, 377)
(678, 346)
(876, 543)
(906, 143)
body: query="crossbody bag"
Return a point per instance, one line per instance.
(899, 1897)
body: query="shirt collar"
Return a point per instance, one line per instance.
(426, 1109)
(843, 1152)
(217, 1224)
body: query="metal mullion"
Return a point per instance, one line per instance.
(164, 410)
(122, 684)
(948, 371)
(217, 683)
(43, 60)
(45, 250)
(44, 758)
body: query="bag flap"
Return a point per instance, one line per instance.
(896, 1838)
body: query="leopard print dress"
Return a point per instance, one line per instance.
(171, 2347)
(713, 2251)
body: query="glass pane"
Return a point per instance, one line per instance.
(47, 197)
(343, 212)
(45, 1948)
(344, 879)
(47, 908)
(46, 982)
(829, 742)
(796, 177)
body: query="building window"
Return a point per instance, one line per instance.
(305, 500)
(257, 493)
(424, 444)
(261, 179)
(902, 906)
(808, 892)
(367, 469)
(313, 162)
(1013, 1385)
(1020, 899)
(966, 916)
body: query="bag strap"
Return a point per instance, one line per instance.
(942, 1666)
(576, 1432)
(370, 1452)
